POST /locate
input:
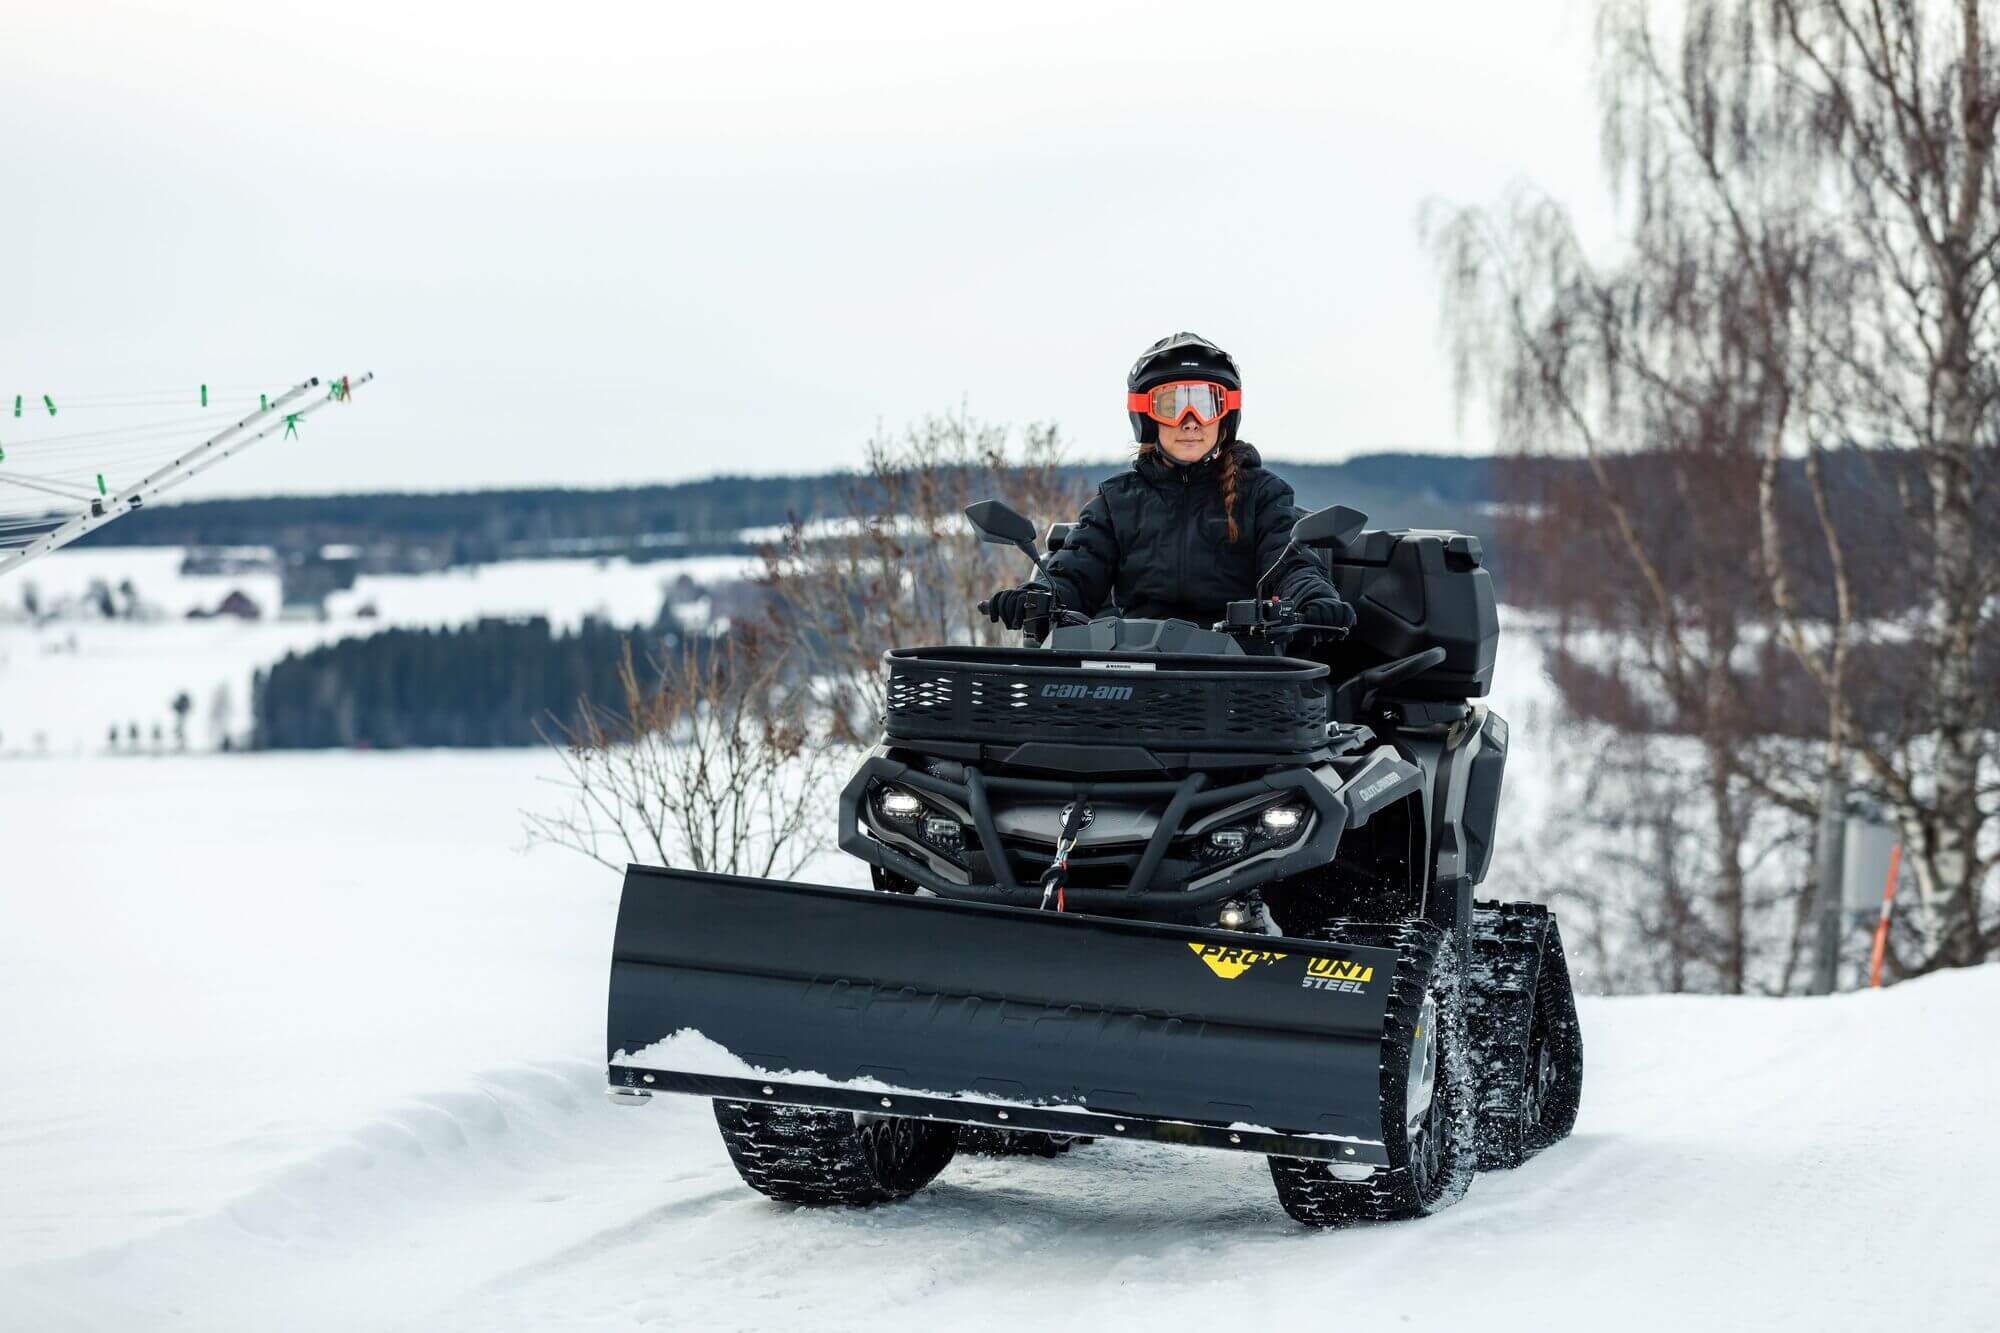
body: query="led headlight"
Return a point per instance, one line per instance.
(1230, 840)
(899, 804)
(1281, 821)
(942, 831)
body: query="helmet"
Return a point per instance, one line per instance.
(1182, 356)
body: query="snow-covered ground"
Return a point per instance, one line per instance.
(305, 1041)
(301, 1041)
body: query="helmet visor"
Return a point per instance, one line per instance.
(1169, 403)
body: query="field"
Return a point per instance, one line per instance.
(308, 1041)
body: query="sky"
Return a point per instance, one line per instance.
(610, 243)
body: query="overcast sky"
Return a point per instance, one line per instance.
(605, 243)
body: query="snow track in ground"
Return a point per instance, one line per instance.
(300, 1042)
(1739, 1163)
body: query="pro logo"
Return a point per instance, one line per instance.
(1229, 962)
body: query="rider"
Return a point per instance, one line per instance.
(1196, 520)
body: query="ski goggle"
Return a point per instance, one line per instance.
(1168, 403)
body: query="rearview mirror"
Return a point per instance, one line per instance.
(1333, 526)
(997, 523)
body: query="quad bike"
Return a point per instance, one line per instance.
(1141, 880)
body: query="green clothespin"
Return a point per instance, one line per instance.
(291, 425)
(263, 402)
(100, 484)
(204, 395)
(3, 455)
(51, 404)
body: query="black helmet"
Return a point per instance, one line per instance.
(1181, 356)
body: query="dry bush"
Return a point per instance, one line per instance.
(710, 761)
(722, 758)
(899, 564)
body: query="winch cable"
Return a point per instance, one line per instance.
(1057, 875)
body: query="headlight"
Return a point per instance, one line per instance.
(1280, 820)
(905, 817)
(1275, 826)
(899, 804)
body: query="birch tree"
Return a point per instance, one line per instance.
(1810, 225)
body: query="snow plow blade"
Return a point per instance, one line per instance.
(891, 1004)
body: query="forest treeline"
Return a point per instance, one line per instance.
(470, 527)
(487, 684)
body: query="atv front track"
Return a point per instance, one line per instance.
(800, 1155)
(1432, 1170)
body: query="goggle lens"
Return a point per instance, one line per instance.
(1169, 403)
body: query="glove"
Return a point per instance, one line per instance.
(1328, 613)
(1009, 606)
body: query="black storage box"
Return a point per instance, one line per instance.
(1415, 589)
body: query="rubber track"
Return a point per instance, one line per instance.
(800, 1154)
(989, 1142)
(1517, 962)
(1308, 1190)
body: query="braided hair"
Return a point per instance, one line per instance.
(1228, 465)
(1225, 463)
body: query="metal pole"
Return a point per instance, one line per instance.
(1882, 924)
(1832, 879)
(197, 459)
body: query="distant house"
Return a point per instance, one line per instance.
(213, 560)
(238, 604)
(309, 578)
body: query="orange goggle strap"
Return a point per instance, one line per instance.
(1232, 399)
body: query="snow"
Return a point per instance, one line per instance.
(301, 1041)
(306, 1041)
(690, 1051)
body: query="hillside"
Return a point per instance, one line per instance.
(462, 526)
(282, 1055)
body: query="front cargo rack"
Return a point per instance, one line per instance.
(1179, 702)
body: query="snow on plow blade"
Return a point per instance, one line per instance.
(892, 1004)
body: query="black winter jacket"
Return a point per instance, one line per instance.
(1155, 535)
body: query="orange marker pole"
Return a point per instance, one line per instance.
(1882, 925)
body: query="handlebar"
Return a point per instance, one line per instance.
(1273, 619)
(1040, 608)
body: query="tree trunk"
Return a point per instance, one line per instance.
(1952, 843)
(1729, 837)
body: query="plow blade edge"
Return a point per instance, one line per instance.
(892, 1004)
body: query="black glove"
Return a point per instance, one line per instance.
(1009, 606)
(1328, 613)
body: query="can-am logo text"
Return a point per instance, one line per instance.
(1100, 692)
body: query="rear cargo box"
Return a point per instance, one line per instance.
(1414, 590)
